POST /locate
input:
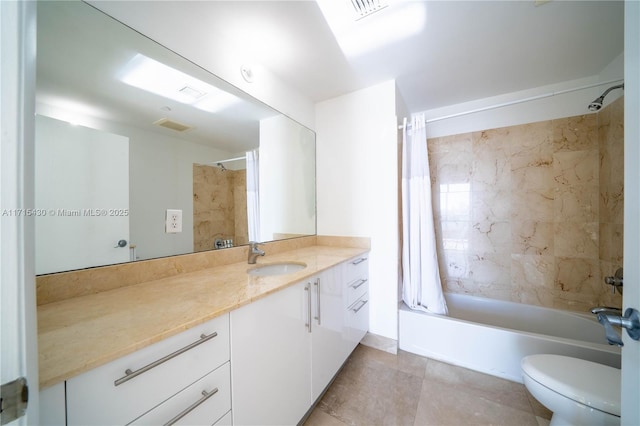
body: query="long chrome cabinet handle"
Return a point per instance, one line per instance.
(359, 261)
(206, 395)
(359, 283)
(363, 302)
(307, 288)
(131, 374)
(317, 284)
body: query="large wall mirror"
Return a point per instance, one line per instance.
(142, 154)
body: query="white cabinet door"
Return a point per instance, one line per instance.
(328, 347)
(271, 358)
(52, 406)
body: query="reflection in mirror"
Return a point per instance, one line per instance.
(220, 204)
(142, 154)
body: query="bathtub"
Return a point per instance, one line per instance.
(492, 336)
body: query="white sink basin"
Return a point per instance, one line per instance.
(280, 268)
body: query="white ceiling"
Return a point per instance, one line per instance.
(81, 54)
(466, 50)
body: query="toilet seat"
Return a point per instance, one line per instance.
(585, 382)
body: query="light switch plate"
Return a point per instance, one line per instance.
(173, 223)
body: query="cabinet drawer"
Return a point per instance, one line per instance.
(191, 406)
(94, 398)
(357, 267)
(226, 420)
(356, 289)
(358, 320)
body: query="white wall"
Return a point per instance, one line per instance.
(287, 179)
(215, 54)
(402, 111)
(546, 108)
(161, 177)
(357, 184)
(401, 107)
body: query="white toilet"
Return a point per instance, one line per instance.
(578, 392)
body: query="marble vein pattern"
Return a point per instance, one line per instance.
(532, 213)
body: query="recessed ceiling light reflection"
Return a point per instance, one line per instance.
(155, 77)
(218, 102)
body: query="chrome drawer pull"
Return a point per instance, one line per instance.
(206, 395)
(131, 374)
(359, 261)
(317, 284)
(307, 288)
(359, 283)
(363, 302)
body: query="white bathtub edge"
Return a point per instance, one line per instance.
(410, 322)
(482, 348)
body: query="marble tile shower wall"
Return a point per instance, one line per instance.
(532, 213)
(219, 206)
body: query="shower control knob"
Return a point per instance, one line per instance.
(615, 281)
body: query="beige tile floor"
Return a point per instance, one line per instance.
(379, 388)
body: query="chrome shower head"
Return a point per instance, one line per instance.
(224, 169)
(597, 103)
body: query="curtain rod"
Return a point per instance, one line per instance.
(518, 101)
(244, 157)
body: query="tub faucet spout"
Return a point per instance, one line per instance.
(612, 336)
(254, 252)
(606, 310)
(630, 321)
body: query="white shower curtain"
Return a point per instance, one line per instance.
(253, 195)
(421, 286)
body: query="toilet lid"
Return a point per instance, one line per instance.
(586, 382)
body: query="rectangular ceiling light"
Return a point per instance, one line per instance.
(155, 77)
(356, 36)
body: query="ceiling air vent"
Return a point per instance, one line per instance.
(173, 125)
(364, 8)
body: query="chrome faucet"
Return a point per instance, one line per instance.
(607, 316)
(630, 321)
(606, 310)
(254, 252)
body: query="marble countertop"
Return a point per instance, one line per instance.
(81, 333)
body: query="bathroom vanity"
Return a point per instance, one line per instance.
(287, 347)
(213, 346)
